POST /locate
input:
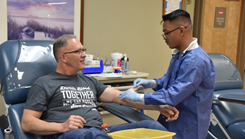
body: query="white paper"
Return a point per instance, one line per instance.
(172, 5)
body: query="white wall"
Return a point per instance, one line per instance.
(3, 21)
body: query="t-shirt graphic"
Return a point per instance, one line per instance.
(77, 97)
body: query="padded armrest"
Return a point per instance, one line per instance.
(1, 134)
(126, 113)
(236, 97)
(15, 115)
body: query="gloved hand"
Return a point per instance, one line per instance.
(145, 83)
(130, 94)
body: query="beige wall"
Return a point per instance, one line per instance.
(131, 27)
(125, 26)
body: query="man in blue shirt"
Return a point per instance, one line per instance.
(188, 84)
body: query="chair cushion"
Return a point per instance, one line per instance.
(228, 113)
(237, 130)
(22, 62)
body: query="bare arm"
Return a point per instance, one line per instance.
(112, 95)
(32, 123)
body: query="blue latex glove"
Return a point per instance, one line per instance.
(130, 94)
(145, 83)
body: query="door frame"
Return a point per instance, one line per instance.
(241, 41)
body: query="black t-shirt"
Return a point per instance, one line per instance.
(58, 96)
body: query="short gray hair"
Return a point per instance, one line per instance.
(61, 42)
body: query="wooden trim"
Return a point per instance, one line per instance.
(198, 20)
(163, 7)
(82, 21)
(183, 5)
(241, 42)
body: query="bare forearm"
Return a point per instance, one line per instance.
(138, 105)
(40, 127)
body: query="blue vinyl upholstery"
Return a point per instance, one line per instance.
(228, 80)
(1, 134)
(123, 112)
(22, 62)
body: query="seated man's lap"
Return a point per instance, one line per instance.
(94, 133)
(151, 124)
(85, 133)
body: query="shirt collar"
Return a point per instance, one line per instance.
(192, 45)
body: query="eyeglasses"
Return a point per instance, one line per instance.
(79, 52)
(165, 34)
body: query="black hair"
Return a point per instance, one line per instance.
(177, 14)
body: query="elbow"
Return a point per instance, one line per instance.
(24, 127)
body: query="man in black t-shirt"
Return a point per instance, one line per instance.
(62, 104)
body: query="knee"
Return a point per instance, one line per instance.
(154, 125)
(149, 122)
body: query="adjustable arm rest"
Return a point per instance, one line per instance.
(126, 113)
(235, 97)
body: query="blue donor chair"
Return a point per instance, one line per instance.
(228, 110)
(22, 62)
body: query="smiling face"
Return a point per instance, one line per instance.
(72, 59)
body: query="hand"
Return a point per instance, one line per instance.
(73, 122)
(170, 112)
(130, 94)
(145, 83)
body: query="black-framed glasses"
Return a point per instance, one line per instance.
(79, 52)
(165, 34)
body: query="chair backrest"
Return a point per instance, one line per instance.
(227, 75)
(22, 62)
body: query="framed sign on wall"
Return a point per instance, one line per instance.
(171, 5)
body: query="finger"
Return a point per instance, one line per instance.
(77, 125)
(122, 97)
(170, 118)
(122, 94)
(79, 119)
(170, 112)
(136, 84)
(176, 116)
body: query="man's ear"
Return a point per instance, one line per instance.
(182, 30)
(63, 58)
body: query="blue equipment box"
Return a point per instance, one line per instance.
(100, 69)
